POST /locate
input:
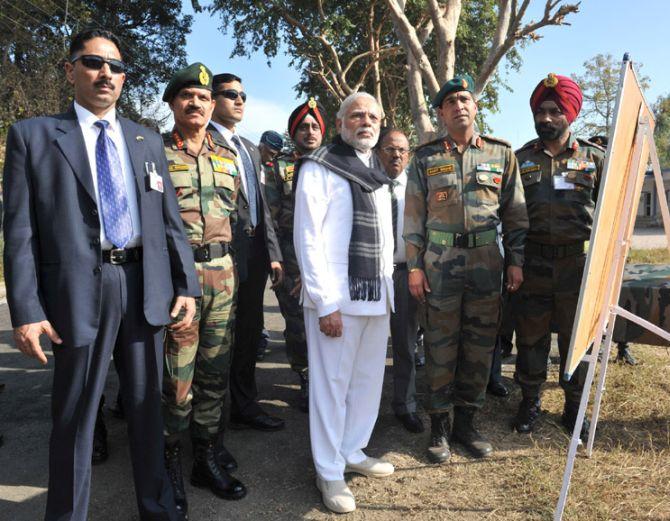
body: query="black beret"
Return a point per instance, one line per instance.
(455, 84)
(272, 139)
(195, 75)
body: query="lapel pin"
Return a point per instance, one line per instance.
(139, 138)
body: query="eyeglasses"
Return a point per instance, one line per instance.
(232, 94)
(393, 150)
(95, 62)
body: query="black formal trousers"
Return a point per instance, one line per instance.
(404, 325)
(248, 328)
(79, 379)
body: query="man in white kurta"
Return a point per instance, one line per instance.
(346, 338)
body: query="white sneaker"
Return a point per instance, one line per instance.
(336, 495)
(371, 467)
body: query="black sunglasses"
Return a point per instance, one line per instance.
(92, 61)
(232, 94)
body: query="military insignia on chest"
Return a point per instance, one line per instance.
(490, 167)
(223, 165)
(444, 168)
(579, 164)
(441, 196)
(529, 166)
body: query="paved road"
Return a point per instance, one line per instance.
(649, 238)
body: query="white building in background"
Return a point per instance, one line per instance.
(649, 209)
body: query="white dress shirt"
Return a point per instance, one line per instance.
(321, 233)
(400, 255)
(228, 136)
(91, 132)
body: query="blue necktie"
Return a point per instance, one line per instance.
(116, 219)
(252, 182)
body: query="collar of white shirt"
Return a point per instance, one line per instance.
(224, 131)
(87, 118)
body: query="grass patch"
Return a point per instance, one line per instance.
(653, 256)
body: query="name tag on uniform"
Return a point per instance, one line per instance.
(447, 168)
(561, 183)
(529, 166)
(155, 180)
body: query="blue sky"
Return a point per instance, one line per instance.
(601, 26)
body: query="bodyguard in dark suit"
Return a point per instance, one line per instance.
(96, 258)
(256, 252)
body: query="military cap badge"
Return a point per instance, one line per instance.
(464, 83)
(311, 103)
(203, 77)
(551, 81)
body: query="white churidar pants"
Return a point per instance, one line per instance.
(345, 386)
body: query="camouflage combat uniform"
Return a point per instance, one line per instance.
(198, 358)
(454, 202)
(560, 195)
(279, 194)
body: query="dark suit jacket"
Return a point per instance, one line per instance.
(241, 240)
(53, 258)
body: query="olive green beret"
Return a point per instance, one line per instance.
(195, 75)
(455, 84)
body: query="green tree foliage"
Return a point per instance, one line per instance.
(662, 131)
(344, 36)
(600, 84)
(35, 34)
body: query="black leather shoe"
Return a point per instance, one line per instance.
(207, 473)
(497, 389)
(624, 355)
(262, 422)
(438, 449)
(419, 361)
(303, 404)
(411, 422)
(465, 433)
(569, 418)
(529, 411)
(117, 409)
(173, 466)
(100, 453)
(262, 346)
(224, 457)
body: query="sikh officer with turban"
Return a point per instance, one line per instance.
(306, 126)
(560, 175)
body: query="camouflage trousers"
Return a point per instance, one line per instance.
(460, 321)
(548, 296)
(197, 360)
(291, 310)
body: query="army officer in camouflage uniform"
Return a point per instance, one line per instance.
(306, 126)
(560, 175)
(460, 188)
(204, 175)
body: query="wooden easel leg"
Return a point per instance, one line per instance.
(600, 388)
(575, 441)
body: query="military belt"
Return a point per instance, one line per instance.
(550, 251)
(122, 255)
(207, 252)
(463, 240)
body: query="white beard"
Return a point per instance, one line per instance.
(364, 144)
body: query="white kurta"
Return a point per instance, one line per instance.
(346, 373)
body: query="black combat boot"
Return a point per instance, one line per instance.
(223, 456)
(303, 404)
(207, 473)
(173, 466)
(465, 433)
(100, 453)
(438, 450)
(529, 410)
(624, 355)
(569, 419)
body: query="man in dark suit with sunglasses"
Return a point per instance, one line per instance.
(256, 252)
(96, 258)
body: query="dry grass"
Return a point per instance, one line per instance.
(653, 256)
(628, 477)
